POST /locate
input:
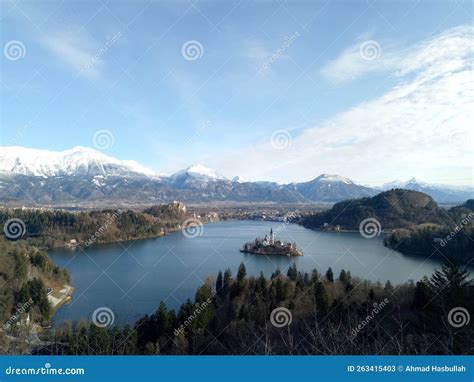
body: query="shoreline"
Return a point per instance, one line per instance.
(79, 245)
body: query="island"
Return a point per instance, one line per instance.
(269, 246)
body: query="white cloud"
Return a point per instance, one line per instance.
(404, 133)
(444, 52)
(79, 51)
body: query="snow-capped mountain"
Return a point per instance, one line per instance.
(439, 192)
(327, 187)
(331, 178)
(195, 175)
(403, 184)
(86, 176)
(78, 161)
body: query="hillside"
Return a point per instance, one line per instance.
(245, 315)
(452, 240)
(49, 229)
(392, 209)
(25, 274)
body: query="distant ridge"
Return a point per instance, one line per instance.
(83, 175)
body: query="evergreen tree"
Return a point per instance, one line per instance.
(314, 276)
(281, 289)
(450, 285)
(241, 273)
(219, 283)
(388, 286)
(343, 277)
(292, 272)
(276, 273)
(322, 300)
(422, 293)
(261, 286)
(227, 280)
(330, 275)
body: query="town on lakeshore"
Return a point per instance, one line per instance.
(269, 246)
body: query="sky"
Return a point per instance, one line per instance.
(265, 90)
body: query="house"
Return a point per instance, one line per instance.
(72, 243)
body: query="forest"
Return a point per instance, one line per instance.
(24, 272)
(55, 228)
(296, 313)
(413, 222)
(450, 240)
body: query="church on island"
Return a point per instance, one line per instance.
(269, 246)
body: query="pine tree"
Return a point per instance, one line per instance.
(330, 275)
(322, 301)
(241, 273)
(227, 280)
(314, 276)
(292, 272)
(219, 283)
(422, 293)
(343, 277)
(281, 289)
(261, 286)
(276, 273)
(450, 284)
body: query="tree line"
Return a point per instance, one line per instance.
(324, 315)
(49, 229)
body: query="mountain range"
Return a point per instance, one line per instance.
(84, 175)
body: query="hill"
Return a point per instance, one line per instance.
(452, 240)
(392, 209)
(26, 273)
(56, 228)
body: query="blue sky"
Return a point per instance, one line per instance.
(277, 90)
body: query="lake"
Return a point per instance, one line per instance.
(132, 277)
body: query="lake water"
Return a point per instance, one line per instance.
(132, 277)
